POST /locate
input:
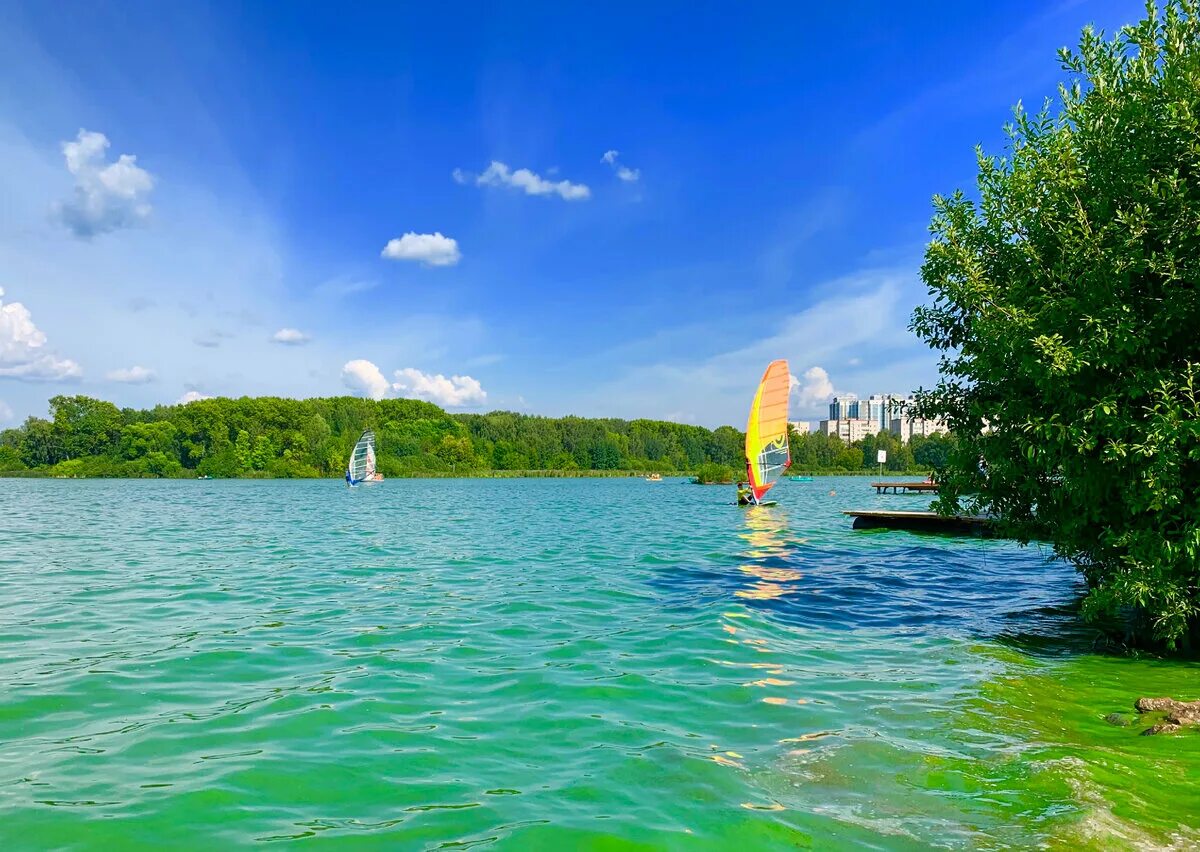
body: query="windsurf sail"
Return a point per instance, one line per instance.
(362, 460)
(767, 454)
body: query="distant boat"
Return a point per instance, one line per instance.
(767, 453)
(206, 476)
(361, 468)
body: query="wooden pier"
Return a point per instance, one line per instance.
(905, 487)
(866, 519)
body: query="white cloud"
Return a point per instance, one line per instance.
(623, 172)
(452, 392)
(22, 355)
(813, 391)
(363, 377)
(191, 396)
(108, 196)
(499, 174)
(131, 375)
(290, 337)
(429, 249)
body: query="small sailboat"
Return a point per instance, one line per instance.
(767, 453)
(361, 468)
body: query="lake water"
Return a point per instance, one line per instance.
(551, 664)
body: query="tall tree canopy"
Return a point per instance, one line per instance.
(1066, 305)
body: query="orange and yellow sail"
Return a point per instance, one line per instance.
(767, 455)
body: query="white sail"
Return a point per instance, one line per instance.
(362, 460)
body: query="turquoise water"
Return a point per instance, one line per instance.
(554, 664)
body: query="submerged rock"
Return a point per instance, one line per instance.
(1123, 720)
(1179, 713)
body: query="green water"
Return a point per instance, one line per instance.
(550, 664)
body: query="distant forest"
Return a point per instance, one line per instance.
(274, 437)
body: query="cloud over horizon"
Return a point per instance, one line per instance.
(452, 392)
(364, 378)
(22, 355)
(499, 174)
(191, 396)
(811, 392)
(108, 196)
(427, 249)
(131, 375)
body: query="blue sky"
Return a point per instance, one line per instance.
(407, 200)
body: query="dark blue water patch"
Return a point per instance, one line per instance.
(982, 588)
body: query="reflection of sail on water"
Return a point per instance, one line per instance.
(767, 535)
(767, 453)
(362, 460)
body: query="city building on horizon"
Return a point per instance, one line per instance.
(853, 419)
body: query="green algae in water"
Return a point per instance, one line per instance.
(222, 663)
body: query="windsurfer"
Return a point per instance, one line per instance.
(745, 496)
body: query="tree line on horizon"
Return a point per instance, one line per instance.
(276, 437)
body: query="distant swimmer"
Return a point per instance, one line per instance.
(832, 493)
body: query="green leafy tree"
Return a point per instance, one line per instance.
(243, 450)
(10, 458)
(84, 426)
(1066, 303)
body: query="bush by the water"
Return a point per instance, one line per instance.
(1067, 306)
(712, 473)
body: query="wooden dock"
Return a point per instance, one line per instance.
(905, 487)
(866, 519)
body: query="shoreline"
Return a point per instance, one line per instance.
(488, 474)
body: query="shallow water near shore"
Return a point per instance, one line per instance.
(555, 664)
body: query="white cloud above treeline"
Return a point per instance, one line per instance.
(108, 196)
(22, 348)
(131, 375)
(290, 337)
(191, 396)
(452, 392)
(427, 249)
(499, 174)
(623, 172)
(366, 379)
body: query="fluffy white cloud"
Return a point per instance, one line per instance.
(499, 174)
(22, 353)
(191, 396)
(131, 375)
(290, 337)
(363, 377)
(428, 249)
(108, 195)
(623, 172)
(452, 392)
(814, 390)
